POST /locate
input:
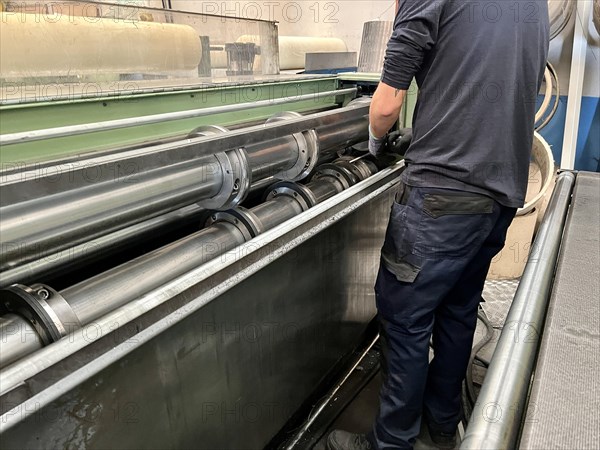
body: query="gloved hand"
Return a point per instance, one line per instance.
(399, 141)
(377, 146)
(396, 142)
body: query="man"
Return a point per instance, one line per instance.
(479, 67)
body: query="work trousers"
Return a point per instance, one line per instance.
(437, 252)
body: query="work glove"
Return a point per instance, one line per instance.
(399, 141)
(396, 142)
(377, 146)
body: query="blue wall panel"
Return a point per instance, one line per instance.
(587, 156)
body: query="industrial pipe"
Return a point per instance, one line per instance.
(496, 418)
(40, 227)
(54, 314)
(106, 245)
(31, 230)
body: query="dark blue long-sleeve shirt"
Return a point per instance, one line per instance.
(479, 66)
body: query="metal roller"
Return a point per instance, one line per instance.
(43, 218)
(308, 150)
(235, 170)
(99, 295)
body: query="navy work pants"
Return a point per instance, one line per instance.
(437, 252)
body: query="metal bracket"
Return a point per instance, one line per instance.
(46, 310)
(235, 169)
(308, 149)
(243, 219)
(302, 194)
(337, 172)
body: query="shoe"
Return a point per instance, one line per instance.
(342, 440)
(443, 440)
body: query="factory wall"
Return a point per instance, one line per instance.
(341, 18)
(588, 142)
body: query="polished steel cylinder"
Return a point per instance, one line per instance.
(334, 136)
(18, 337)
(501, 404)
(277, 156)
(101, 247)
(323, 190)
(277, 211)
(98, 295)
(32, 230)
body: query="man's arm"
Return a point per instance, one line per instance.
(385, 108)
(415, 33)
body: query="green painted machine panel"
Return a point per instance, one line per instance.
(36, 116)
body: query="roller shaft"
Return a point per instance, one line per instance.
(101, 294)
(33, 229)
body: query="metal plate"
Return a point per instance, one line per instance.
(498, 296)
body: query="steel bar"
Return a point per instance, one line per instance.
(323, 190)
(38, 228)
(98, 295)
(266, 161)
(496, 418)
(74, 130)
(18, 337)
(576, 80)
(44, 226)
(100, 247)
(276, 211)
(353, 132)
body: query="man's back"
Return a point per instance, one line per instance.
(479, 66)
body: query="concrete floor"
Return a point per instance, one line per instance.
(359, 415)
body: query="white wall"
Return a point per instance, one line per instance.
(343, 18)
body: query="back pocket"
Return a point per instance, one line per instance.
(453, 225)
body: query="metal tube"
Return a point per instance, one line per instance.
(32, 230)
(103, 246)
(496, 418)
(323, 190)
(277, 211)
(268, 160)
(17, 337)
(41, 227)
(101, 294)
(74, 130)
(334, 136)
(188, 149)
(98, 295)
(576, 80)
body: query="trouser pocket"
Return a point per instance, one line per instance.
(453, 224)
(397, 252)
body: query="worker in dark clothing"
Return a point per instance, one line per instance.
(479, 66)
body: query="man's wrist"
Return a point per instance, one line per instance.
(372, 135)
